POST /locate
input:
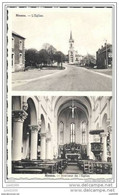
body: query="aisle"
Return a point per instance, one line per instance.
(72, 169)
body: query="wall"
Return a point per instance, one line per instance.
(16, 51)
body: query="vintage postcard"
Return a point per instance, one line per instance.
(60, 111)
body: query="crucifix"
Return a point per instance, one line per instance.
(72, 107)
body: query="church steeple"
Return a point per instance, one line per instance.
(70, 34)
(71, 39)
(71, 49)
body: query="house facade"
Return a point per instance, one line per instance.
(18, 52)
(104, 56)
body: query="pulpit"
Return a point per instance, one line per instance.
(97, 147)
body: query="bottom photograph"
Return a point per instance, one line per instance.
(61, 135)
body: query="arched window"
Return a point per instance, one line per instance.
(72, 133)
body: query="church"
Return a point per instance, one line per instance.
(73, 56)
(61, 135)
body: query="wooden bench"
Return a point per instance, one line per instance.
(44, 166)
(93, 167)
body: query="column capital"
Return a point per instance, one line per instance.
(33, 128)
(19, 115)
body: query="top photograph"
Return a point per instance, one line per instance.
(60, 48)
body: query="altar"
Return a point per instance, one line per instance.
(72, 157)
(73, 152)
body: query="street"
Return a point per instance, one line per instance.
(73, 78)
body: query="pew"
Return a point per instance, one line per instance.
(93, 167)
(39, 166)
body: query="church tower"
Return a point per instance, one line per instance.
(71, 50)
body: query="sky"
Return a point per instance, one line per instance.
(90, 27)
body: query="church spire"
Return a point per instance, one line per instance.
(71, 35)
(71, 39)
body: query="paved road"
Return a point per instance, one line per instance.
(71, 79)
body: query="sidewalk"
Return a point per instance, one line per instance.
(103, 71)
(31, 74)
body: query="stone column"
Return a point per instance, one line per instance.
(18, 118)
(27, 145)
(48, 148)
(43, 145)
(104, 141)
(34, 141)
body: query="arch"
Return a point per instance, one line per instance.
(80, 107)
(81, 112)
(43, 129)
(32, 111)
(104, 122)
(84, 103)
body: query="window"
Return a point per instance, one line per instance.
(20, 58)
(20, 44)
(72, 133)
(12, 42)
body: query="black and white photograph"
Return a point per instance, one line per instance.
(59, 98)
(61, 135)
(60, 49)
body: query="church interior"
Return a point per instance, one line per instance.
(61, 135)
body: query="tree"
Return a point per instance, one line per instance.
(89, 60)
(43, 57)
(51, 51)
(47, 55)
(59, 57)
(31, 57)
